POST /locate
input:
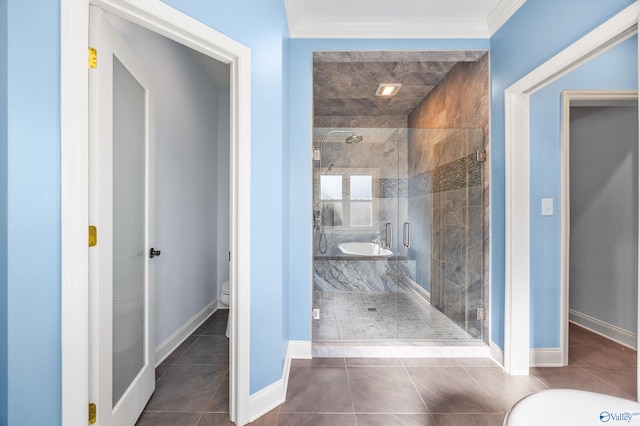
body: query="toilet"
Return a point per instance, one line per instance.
(224, 299)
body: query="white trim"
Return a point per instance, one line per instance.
(418, 28)
(517, 176)
(476, 350)
(275, 394)
(266, 399)
(545, 357)
(572, 98)
(496, 354)
(162, 19)
(300, 349)
(610, 331)
(404, 27)
(598, 41)
(501, 14)
(516, 339)
(74, 155)
(164, 349)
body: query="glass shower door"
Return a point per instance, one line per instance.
(417, 193)
(443, 235)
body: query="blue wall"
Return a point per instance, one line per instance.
(3, 212)
(539, 30)
(300, 128)
(33, 213)
(546, 146)
(262, 26)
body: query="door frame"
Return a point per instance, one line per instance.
(171, 23)
(517, 176)
(569, 99)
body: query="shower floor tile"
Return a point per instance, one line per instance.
(380, 316)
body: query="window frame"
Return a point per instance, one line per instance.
(346, 173)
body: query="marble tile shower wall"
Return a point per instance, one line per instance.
(350, 274)
(445, 206)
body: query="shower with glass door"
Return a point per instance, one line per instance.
(398, 212)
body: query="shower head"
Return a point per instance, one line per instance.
(354, 138)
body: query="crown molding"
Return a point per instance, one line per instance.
(397, 29)
(301, 26)
(501, 14)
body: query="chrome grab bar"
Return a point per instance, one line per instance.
(406, 234)
(388, 235)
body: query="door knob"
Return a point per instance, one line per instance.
(153, 253)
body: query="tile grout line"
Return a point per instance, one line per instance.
(604, 381)
(483, 389)
(214, 392)
(353, 406)
(187, 349)
(418, 391)
(199, 418)
(538, 379)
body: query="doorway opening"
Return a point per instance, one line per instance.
(187, 98)
(517, 315)
(600, 227)
(160, 19)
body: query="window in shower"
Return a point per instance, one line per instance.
(331, 196)
(347, 200)
(361, 196)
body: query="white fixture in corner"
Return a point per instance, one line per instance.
(364, 249)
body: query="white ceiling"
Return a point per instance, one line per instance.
(398, 18)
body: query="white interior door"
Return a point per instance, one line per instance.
(121, 206)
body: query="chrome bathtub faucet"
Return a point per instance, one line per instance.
(377, 241)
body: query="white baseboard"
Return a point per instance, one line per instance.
(265, 400)
(176, 339)
(300, 349)
(602, 328)
(545, 357)
(496, 354)
(329, 350)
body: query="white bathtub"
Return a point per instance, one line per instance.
(364, 249)
(568, 407)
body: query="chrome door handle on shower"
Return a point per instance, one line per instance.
(406, 234)
(388, 235)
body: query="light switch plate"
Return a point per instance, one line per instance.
(547, 207)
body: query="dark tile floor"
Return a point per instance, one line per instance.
(192, 385)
